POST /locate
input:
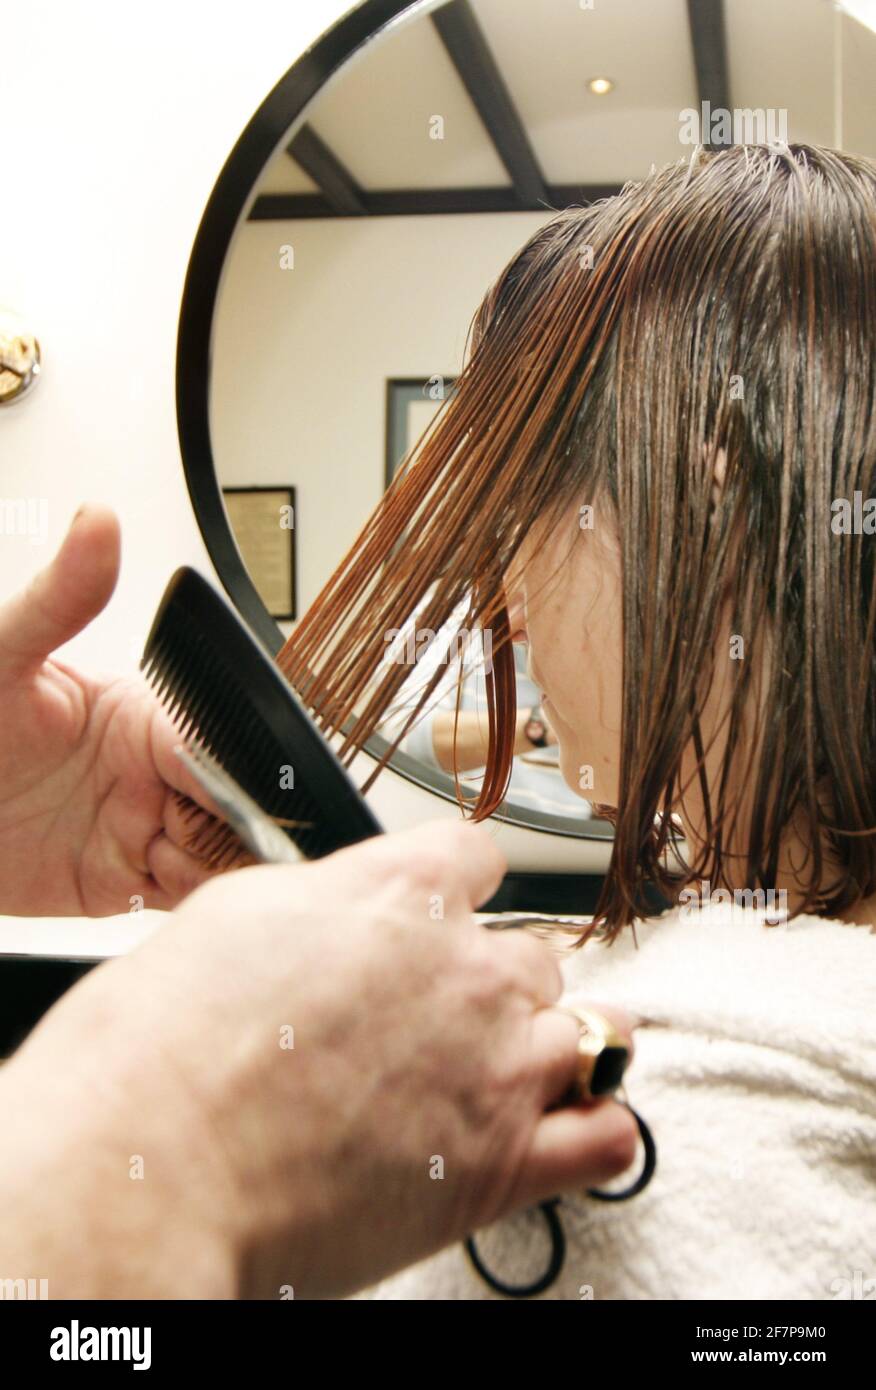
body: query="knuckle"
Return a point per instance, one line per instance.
(528, 966)
(536, 962)
(427, 869)
(470, 840)
(485, 846)
(389, 861)
(486, 974)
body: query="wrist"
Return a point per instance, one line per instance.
(110, 1187)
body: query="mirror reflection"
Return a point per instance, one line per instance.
(374, 232)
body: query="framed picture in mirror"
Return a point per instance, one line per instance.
(411, 404)
(263, 522)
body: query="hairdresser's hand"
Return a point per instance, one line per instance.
(88, 822)
(322, 1081)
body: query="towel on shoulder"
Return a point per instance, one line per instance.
(756, 1070)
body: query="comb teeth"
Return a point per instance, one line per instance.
(218, 684)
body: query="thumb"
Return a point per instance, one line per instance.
(64, 597)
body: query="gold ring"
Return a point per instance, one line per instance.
(603, 1054)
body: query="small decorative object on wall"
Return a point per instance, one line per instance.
(20, 358)
(411, 403)
(263, 524)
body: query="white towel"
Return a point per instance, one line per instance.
(756, 1071)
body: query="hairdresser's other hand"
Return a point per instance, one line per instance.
(88, 821)
(326, 1073)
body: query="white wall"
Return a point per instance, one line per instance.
(116, 121)
(301, 356)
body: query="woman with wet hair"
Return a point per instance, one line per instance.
(655, 471)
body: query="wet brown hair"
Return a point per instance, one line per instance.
(602, 368)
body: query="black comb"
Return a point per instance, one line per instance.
(221, 687)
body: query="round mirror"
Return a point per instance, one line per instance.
(371, 202)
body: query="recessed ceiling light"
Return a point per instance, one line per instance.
(599, 86)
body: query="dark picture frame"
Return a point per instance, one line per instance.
(262, 566)
(403, 392)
